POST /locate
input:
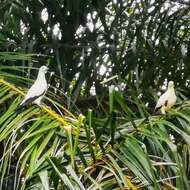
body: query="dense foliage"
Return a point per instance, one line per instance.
(96, 129)
(143, 42)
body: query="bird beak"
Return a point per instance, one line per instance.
(46, 70)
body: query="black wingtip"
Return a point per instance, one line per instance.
(156, 109)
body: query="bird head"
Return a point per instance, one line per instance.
(170, 84)
(43, 69)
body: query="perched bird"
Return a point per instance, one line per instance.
(37, 90)
(167, 100)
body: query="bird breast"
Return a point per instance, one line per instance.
(171, 100)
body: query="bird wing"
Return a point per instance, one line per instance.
(163, 100)
(36, 90)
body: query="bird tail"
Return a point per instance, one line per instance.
(27, 102)
(20, 108)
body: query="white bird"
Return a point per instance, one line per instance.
(37, 90)
(167, 100)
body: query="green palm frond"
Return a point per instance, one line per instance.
(43, 146)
